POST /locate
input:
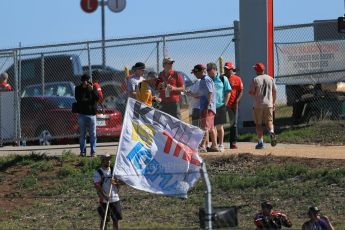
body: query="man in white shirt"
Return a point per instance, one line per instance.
(102, 179)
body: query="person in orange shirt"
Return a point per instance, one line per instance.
(235, 97)
(4, 86)
(146, 89)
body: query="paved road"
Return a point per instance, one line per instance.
(294, 150)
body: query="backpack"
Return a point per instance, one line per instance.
(99, 170)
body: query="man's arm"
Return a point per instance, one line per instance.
(179, 84)
(239, 96)
(99, 191)
(209, 98)
(274, 94)
(252, 88)
(227, 98)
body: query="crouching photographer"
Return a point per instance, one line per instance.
(271, 219)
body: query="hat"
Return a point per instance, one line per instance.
(198, 67)
(106, 156)
(229, 65)
(85, 77)
(259, 67)
(266, 204)
(168, 60)
(138, 65)
(313, 209)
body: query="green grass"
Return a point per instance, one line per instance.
(60, 194)
(324, 133)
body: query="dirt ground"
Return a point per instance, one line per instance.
(292, 150)
(232, 160)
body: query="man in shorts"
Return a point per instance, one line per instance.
(222, 91)
(207, 99)
(102, 179)
(264, 92)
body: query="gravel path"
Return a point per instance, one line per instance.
(293, 150)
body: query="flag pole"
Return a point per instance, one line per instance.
(112, 176)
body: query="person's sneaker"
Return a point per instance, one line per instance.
(82, 154)
(202, 150)
(233, 146)
(93, 154)
(259, 145)
(212, 149)
(221, 148)
(273, 139)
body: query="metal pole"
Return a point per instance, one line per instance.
(89, 59)
(103, 33)
(17, 98)
(157, 45)
(208, 198)
(42, 73)
(164, 48)
(237, 46)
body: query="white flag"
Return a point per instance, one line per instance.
(157, 153)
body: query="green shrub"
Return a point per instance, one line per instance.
(68, 170)
(29, 181)
(41, 166)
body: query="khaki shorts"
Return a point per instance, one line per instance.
(263, 115)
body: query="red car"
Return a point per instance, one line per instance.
(50, 119)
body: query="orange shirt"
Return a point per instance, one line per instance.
(236, 86)
(144, 93)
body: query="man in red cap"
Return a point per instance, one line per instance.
(235, 97)
(264, 92)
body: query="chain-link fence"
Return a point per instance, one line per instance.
(309, 65)
(53, 71)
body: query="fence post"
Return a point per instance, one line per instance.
(89, 59)
(157, 46)
(42, 73)
(164, 48)
(237, 46)
(17, 99)
(208, 198)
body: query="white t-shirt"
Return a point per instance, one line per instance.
(195, 102)
(133, 83)
(114, 196)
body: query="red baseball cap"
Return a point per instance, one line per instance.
(259, 67)
(229, 65)
(198, 67)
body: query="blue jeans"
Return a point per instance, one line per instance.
(87, 122)
(233, 116)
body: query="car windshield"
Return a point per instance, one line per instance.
(56, 89)
(62, 102)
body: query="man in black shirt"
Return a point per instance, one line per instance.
(87, 97)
